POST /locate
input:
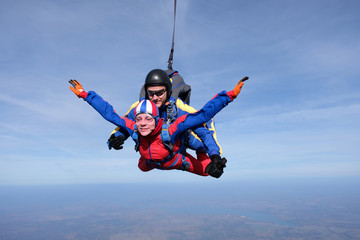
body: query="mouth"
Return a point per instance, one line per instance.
(157, 103)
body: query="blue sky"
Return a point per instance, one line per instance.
(297, 116)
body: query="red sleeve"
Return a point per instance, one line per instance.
(173, 127)
(231, 95)
(83, 94)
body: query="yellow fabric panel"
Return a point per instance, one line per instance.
(115, 130)
(180, 104)
(212, 128)
(131, 107)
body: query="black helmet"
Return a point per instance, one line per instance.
(158, 77)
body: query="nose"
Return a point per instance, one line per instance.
(155, 97)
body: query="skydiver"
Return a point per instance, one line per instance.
(148, 128)
(158, 88)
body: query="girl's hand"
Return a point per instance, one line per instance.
(239, 85)
(76, 88)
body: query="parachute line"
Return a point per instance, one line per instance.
(171, 56)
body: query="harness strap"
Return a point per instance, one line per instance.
(170, 112)
(135, 137)
(185, 165)
(166, 138)
(158, 165)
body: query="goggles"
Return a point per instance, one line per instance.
(158, 93)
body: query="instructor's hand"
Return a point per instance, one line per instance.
(116, 142)
(216, 166)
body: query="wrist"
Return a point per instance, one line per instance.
(231, 95)
(83, 94)
(215, 157)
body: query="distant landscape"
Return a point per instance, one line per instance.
(291, 209)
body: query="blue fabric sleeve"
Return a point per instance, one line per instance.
(208, 111)
(106, 111)
(131, 115)
(204, 136)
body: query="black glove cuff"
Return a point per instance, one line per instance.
(215, 158)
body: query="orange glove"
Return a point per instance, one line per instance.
(239, 85)
(76, 87)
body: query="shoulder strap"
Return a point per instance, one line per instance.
(135, 137)
(165, 137)
(171, 111)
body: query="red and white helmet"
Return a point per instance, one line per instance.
(148, 107)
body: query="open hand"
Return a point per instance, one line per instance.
(76, 87)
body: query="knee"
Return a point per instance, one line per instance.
(144, 167)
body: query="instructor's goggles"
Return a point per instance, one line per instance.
(158, 93)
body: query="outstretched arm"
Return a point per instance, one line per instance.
(209, 110)
(102, 107)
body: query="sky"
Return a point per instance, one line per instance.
(297, 116)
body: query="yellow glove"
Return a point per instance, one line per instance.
(76, 87)
(239, 85)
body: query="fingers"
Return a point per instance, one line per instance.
(213, 171)
(217, 173)
(239, 85)
(74, 83)
(216, 167)
(116, 142)
(244, 79)
(75, 87)
(223, 162)
(241, 82)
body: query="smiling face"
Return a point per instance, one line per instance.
(145, 124)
